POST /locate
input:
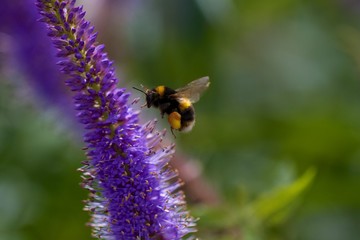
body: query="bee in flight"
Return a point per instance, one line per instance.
(177, 103)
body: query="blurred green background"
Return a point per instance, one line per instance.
(277, 133)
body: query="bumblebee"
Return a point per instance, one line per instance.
(177, 104)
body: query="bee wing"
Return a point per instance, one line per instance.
(193, 90)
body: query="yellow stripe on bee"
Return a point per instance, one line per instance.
(184, 103)
(160, 90)
(174, 120)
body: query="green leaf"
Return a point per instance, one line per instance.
(275, 206)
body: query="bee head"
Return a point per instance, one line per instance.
(151, 96)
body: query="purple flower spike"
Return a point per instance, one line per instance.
(133, 194)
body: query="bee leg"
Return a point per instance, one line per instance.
(164, 107)
(173, 132)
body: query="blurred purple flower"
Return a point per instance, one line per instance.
(133, 193)
(31, 52)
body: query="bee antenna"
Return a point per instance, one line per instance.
(140, 90)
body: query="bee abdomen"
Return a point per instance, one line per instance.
(188, 114)
(187, 119)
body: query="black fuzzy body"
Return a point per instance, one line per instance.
(167, 103)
